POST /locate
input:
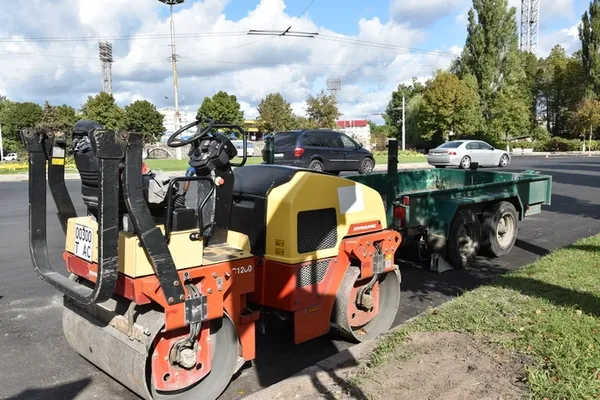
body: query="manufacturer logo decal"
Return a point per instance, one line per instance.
(366, 227)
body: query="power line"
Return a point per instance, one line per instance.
(121, 37)
(383, 45)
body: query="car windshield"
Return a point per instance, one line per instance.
(450, 145)
(285, 139)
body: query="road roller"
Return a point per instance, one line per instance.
(165, 297)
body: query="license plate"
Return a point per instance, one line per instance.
(278, 155)
(84, 239)
(436, 154)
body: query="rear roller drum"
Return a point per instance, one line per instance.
(144, 359)
(366, 308)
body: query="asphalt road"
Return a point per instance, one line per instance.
(36, 362)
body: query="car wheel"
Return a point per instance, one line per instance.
(316, 165)
(366, 167)
(503, 161)
(465, 163)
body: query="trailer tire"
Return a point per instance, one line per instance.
(499, 228)
(464, 239)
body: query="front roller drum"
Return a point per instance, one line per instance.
(129, 356)
(366, 308)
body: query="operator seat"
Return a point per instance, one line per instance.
(87, 164)
(88, 168)
(251, 188)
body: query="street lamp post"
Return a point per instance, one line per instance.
(403, 124)
(173, 59)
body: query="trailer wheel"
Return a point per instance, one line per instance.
(499, 228)
(464, 239)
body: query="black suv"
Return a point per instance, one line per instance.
(322, 150)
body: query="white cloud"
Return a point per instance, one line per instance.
(423, 12)
(248, 66)
(568, 38)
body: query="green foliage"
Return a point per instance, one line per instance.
(511, 115)
(57, 118)
(380, 133)
(587, 117)
(142, 116)
(14, 117)
(449, 105)
(540, 133)
(322, 110)
(103, 109)
(413, 95)
(491, 49)
(589, 34)
(223, 108)
(304, 123)
(275, 114)
(559, 89)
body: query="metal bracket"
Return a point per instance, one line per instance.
(439, 264)
(378, 264)
(195, 310)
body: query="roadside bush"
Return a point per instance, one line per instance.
(560, 144)
(523, 144)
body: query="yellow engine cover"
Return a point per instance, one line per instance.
(289, 207)
(133, 261)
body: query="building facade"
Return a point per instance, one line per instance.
(357, 129)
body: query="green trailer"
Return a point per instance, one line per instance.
(457, 213)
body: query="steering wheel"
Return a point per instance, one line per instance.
(171, 142)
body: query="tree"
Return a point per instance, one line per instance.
(380, 133)
(449, 105)
(103, 109)
(559, 89)
(275, 114)
(511, 117)
(304, 123)
(223, 108)
(57, 118)
(393, 114)
(589, 34)
(142, 116)
(14, 117)
(587, 116)
(491, 53)
(322, 109)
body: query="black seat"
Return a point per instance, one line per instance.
(251, 188)
(86, 162)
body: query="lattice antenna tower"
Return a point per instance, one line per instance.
(106, 59)
(334, 85)
(530, 25)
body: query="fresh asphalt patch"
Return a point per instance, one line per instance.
(36, 361)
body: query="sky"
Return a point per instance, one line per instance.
(49, 48)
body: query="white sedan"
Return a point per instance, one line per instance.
(462, 153)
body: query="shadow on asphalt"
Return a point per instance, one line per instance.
(572, 206)
(559, 296)
(65, 391)
(531, 248)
